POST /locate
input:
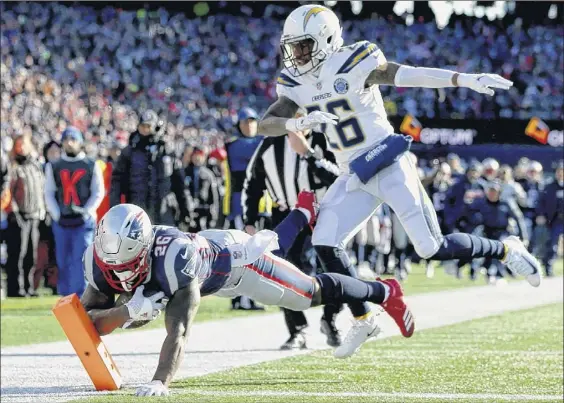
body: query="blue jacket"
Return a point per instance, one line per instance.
(551, 203)
(458, 197)
(495, 217)
(240, 150)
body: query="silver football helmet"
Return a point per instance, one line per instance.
(122, 243)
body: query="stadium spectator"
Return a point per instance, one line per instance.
(149, 175)
(551, 213)
(74, 189)
(240, 147)
(204, 190)
(27, 209)
(5, 200)
(495, 216)
(533, 187)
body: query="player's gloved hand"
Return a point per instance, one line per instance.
(154, 388)
(310, 121)
(144, 308)
(483, 83)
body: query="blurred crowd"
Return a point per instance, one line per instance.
(104, 106)
(99, 69)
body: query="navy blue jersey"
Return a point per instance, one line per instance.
(177, 259)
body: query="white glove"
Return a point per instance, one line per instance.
(310, 121)
(155, 388)
(482, 82)
(144, 308)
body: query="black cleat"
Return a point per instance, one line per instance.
(245, 304)
(297, 341)
(329, 329)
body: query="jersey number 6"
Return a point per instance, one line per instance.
(347, 139)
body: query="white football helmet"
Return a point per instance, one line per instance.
(311, 33)
(122, 243)
(490, 168)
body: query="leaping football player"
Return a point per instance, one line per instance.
(338, 87)
(132, 257)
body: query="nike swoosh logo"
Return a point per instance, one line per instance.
(185, 255)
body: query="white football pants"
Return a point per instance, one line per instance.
(348, 204)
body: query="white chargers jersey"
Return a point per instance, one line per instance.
(340, 90)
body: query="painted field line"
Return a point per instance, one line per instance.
(398, 395)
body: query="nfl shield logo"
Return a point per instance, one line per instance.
(341, 86)
(318, 86)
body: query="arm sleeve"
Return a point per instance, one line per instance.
(254, 186)
(96, 191)
(50, 191)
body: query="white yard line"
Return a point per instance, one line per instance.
(51, 372)
(490, 397)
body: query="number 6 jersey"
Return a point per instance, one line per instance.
(339, 88)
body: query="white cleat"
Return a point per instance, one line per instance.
(430, 270)
(520, 261)
(360, 331)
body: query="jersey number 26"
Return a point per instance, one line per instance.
(161, 245)
(347, 139)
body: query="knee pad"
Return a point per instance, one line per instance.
(427, 248)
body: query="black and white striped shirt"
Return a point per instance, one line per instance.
(276, 167)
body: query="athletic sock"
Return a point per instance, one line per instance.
(467, 247)
(337, 288)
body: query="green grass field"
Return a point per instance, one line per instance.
(26, 321)
(514, 356)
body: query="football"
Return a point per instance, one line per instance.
(124, 297)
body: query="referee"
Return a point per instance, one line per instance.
(284, 166)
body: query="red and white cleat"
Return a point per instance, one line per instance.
(397, 309)
(308, 202)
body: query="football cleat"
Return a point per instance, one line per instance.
(297, 341)
(308, 201)
(329, 329)
(397, 309)
(520, 261)
(361, 330)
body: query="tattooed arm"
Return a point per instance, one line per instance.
(102, 311)
(179, 315)
(274, 120)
